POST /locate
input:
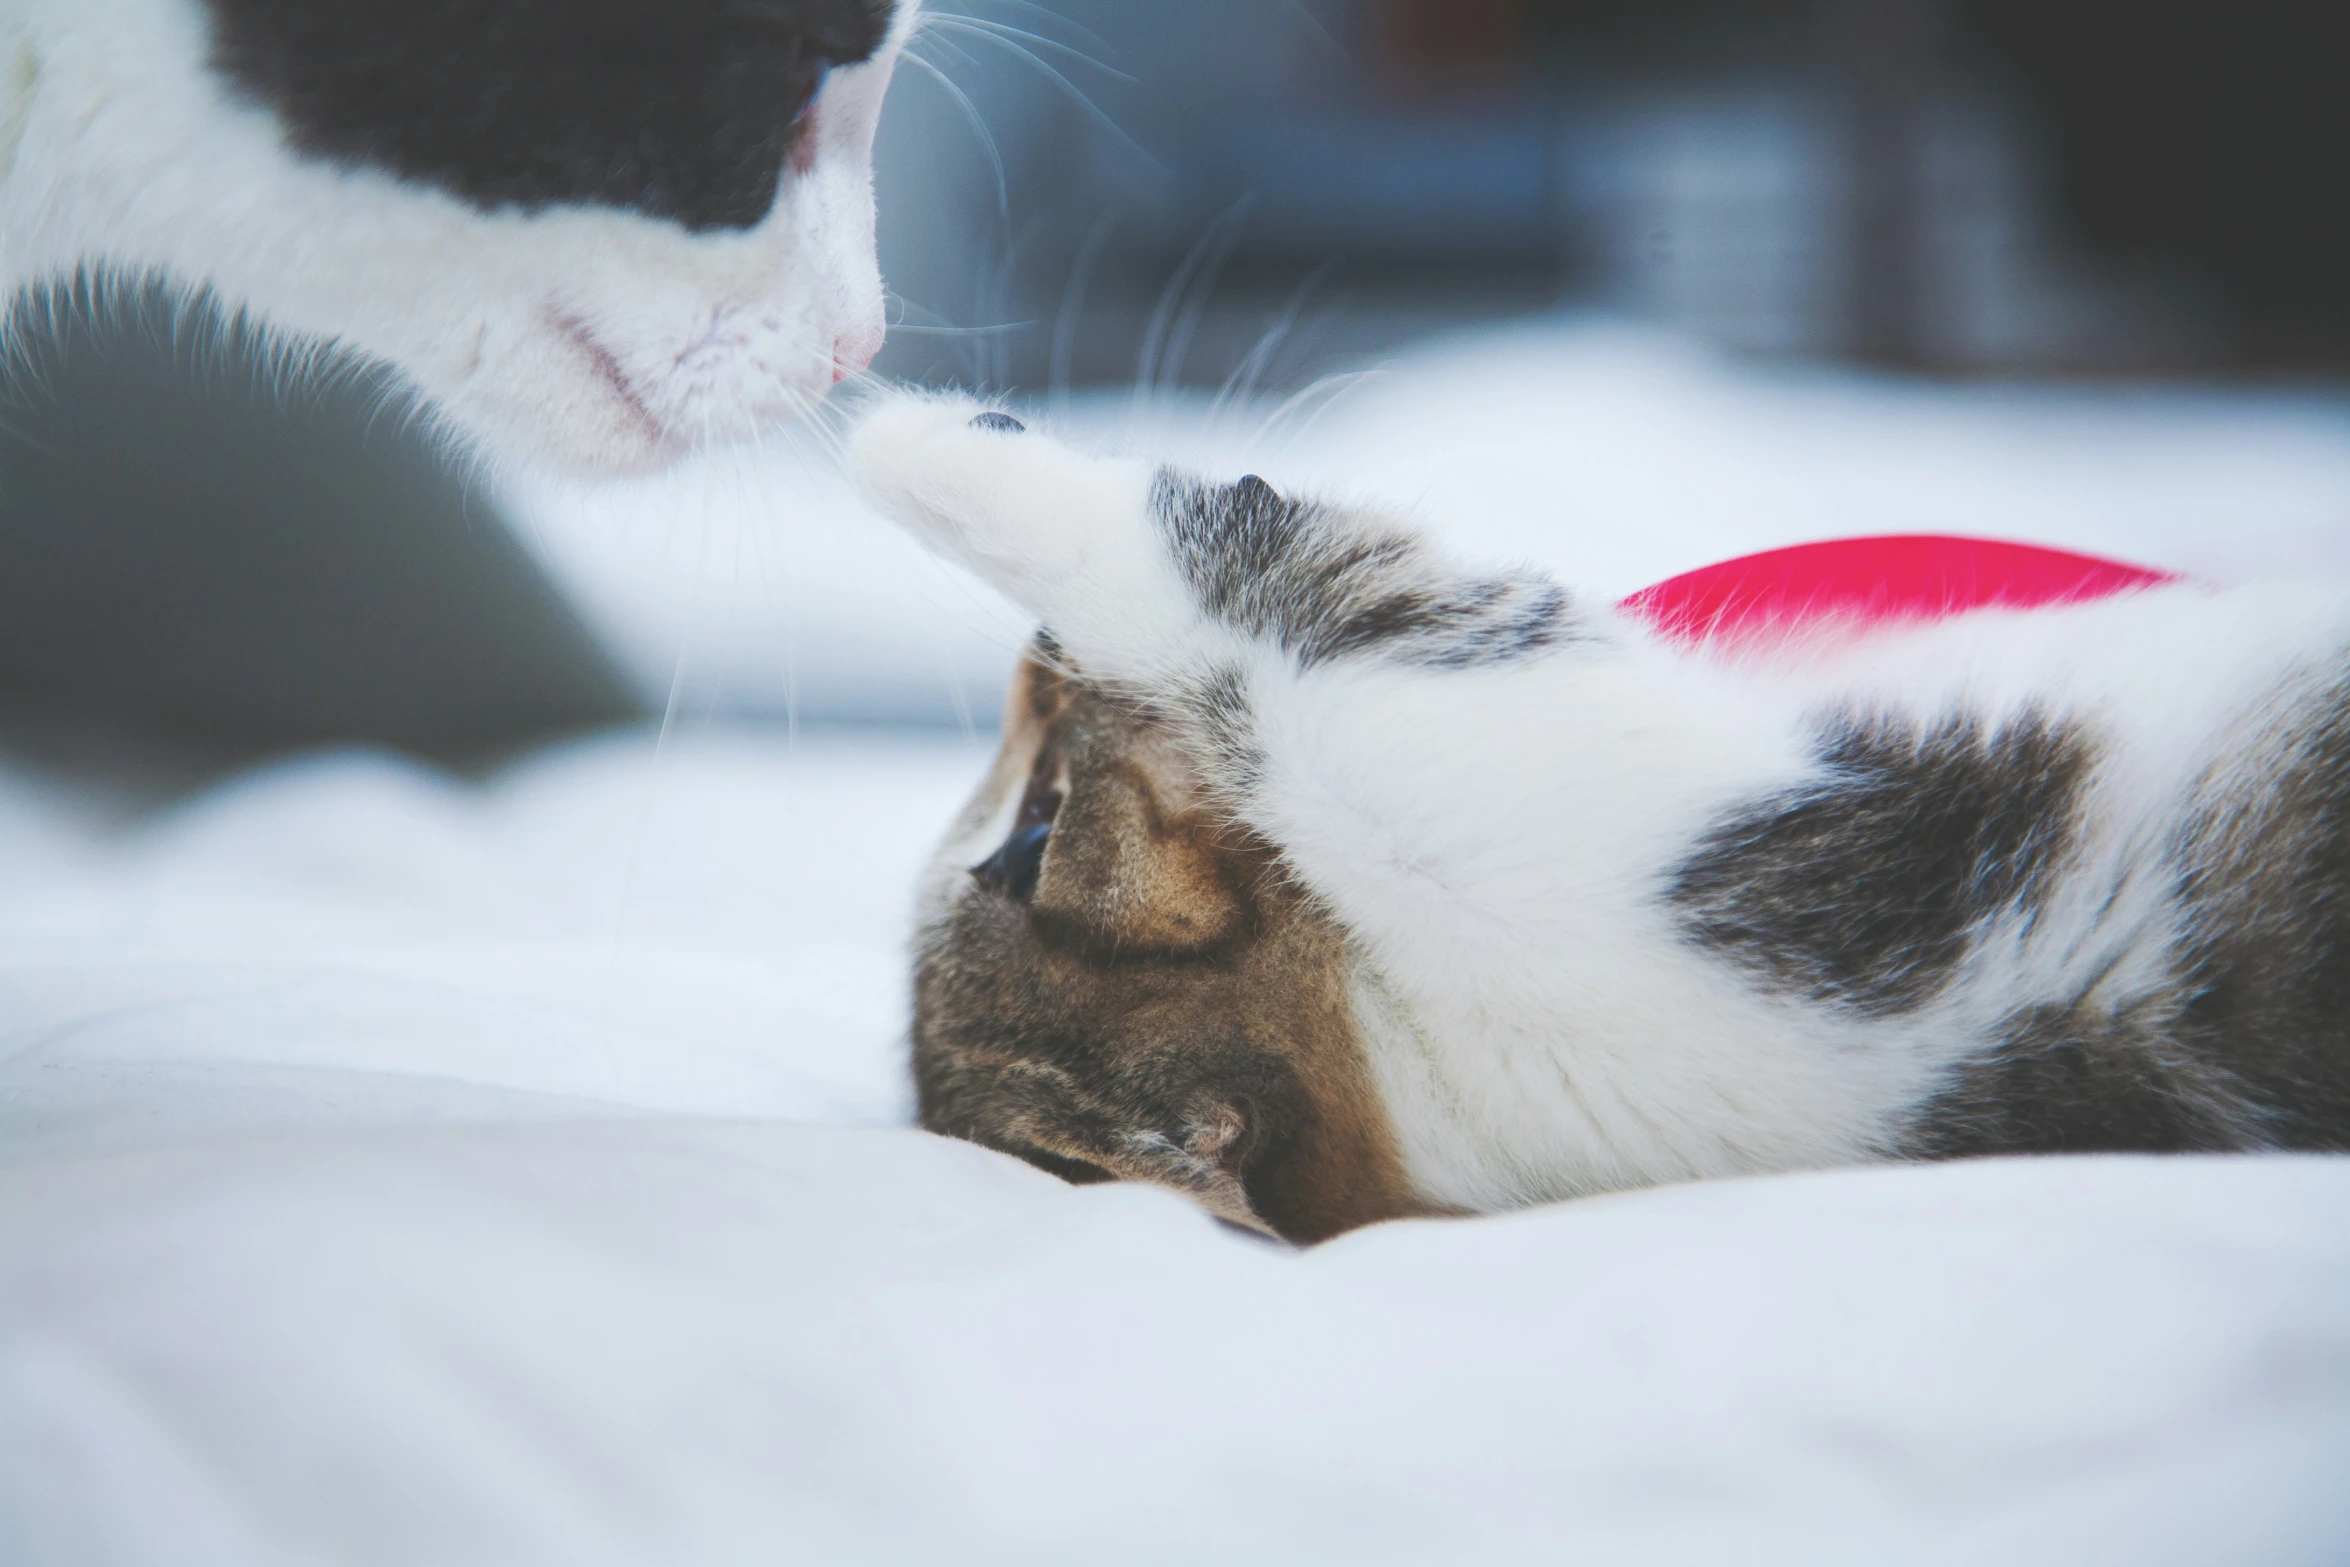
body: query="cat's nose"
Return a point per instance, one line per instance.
(853, 352)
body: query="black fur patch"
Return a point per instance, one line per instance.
(2265, 970)
(2071, 1080)
(679, 109)
(1323, 589)
(1864, 886)
(1219, 704)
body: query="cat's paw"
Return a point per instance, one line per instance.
(1066, 535)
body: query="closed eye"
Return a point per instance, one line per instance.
(1012, 871)
(1075, 1171)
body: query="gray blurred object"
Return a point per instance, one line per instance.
(188, 546)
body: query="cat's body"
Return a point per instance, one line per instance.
(590, 232)
(1366, 886)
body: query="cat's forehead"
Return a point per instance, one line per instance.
(682, 110)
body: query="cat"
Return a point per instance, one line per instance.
(591, 233)
(1329, 882)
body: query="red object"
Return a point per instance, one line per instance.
(1859, 583)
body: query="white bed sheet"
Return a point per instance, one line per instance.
(396, 1169)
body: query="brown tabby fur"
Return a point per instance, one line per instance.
(1166, 1006)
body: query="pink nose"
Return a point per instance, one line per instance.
(854, 352)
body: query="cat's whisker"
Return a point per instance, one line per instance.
(1240, 388)
(1064, 345)
(952, 20)
(1328, 388)
(907, 308)
(1150, 365)
(965, 331)
(1182, 305)
(1226, 237)
(995, 299)
(961, 55)
(1046, 13)
(976, 28)
(987, 141)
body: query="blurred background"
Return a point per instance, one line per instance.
(2071, 187)
(1683, 269)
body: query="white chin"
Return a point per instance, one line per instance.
(591, 434)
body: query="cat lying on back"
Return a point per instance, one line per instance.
(591, 232)
(1329, 882)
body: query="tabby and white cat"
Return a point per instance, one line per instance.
(591, 232)
(1330, 882)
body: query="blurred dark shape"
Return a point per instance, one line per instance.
(187, 545)
(1884, 54)
(1460, 42)
(2209, 136)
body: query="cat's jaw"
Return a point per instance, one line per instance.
(580, 338)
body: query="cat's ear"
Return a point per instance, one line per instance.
(1122, 874)
(1219, 1142)
(1204, 1158)
(1044, 1117)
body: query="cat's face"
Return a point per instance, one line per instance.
(595, 233)
(1116, 984)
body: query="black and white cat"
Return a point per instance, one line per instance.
(592, 232)
(1330, 882)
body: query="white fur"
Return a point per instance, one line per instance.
(582, 338)
(1497, 839)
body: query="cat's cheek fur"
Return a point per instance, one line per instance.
(581, 338)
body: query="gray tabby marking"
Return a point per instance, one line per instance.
(2265, 969)
(2074, 1079)
(1324, 589)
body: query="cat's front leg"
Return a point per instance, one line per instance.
(1148, 576)
(1066, 536)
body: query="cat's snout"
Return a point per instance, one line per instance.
(1000, 423)
(854, 352)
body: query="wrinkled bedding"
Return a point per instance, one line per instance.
(400, 1168)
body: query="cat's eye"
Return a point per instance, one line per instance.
(1012, 871)
(1076, 1172)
